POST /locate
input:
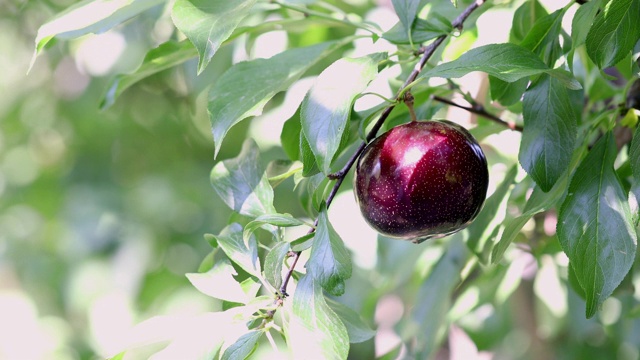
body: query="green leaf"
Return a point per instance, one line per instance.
(524, 18)
(507, 93)
(421, 31)
(614, 32)
(433, 300)
(406, 11)
(290, 136)
(302, 243)
(634, 154)
(280, 220)
(243, 347)
(490, 217)
(325, 110)
(507, 62)
(232, 243)
(280, 170)
(242, 183)
(582, 21)
(87, 17)
(165, 56)
(119, 356)
(309, 163)
(329, 262)
(595, 226)
(544, 38)
(220, 283)
(273, 264)
(550, 128)
(245, 88)
(208, 23)
(357, 329)
(314, 328)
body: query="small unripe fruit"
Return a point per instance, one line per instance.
(421, 180)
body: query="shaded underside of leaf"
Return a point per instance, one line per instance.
(315, 328)
(165, 56)
(326, 108)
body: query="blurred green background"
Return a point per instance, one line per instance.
(101, 212)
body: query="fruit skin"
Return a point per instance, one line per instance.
(421, 180)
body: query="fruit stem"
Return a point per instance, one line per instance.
(339, 176)
(408, 100)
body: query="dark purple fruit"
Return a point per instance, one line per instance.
(421, 180)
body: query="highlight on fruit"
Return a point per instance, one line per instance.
(421, 180)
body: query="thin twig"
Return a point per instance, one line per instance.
(427, 52)
(479, 110)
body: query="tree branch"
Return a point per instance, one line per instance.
(427, 53)
(478, 109)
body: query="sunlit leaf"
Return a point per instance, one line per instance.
(329, 262)
(194, 336)
(242, 183)
(232, 243)
(326, 108)
(614, 32)
(208, 23)
(314, 328)
(245, 88)
(119, 356)
(219, 283)
(88, 17)
(595, 225)
(165, 56)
